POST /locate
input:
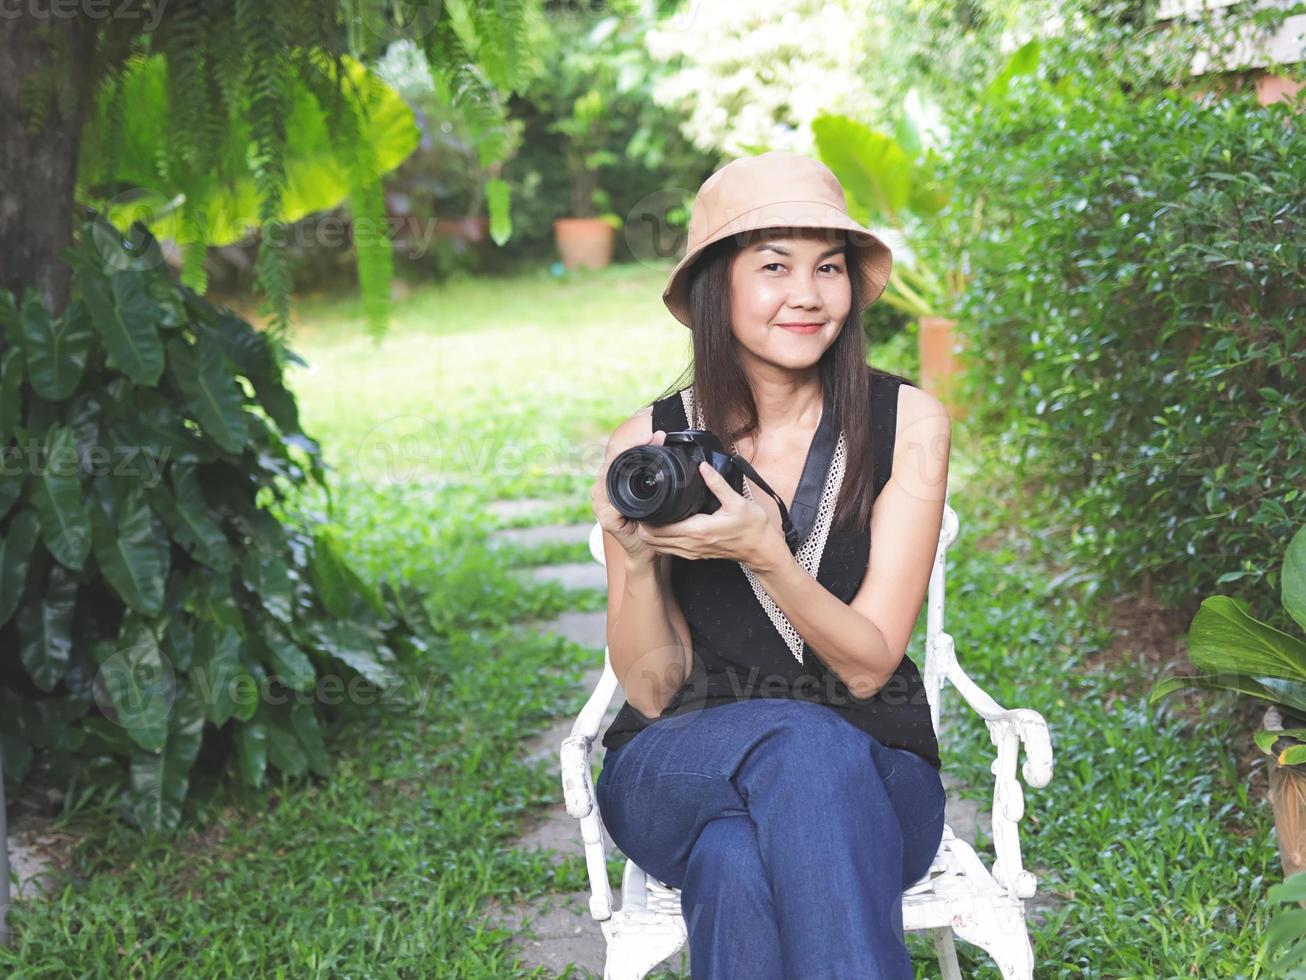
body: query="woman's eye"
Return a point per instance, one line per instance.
(829, 265)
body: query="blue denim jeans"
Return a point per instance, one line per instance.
(790, 832)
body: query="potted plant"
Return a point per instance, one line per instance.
(1239, 653)
(890, 179)
(893, 178)
(445, 177)
(585, 236)
(580, 88)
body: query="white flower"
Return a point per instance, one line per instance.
(760, 74)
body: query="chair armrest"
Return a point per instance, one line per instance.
(1009, 728)
(578, 789)
(1028, 724)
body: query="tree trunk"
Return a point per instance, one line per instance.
(45, 58)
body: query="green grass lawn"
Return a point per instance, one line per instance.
(485, 389)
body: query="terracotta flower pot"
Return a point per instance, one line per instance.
(940, 364)
(584, 242)
(1288, 800)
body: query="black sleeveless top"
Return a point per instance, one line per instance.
(742, 649)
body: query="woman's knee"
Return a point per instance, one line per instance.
(813, 739)
(726, 858)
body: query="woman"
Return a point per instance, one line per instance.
(775, 758)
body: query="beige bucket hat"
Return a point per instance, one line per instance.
(774, 189)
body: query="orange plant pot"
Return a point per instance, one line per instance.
(584, 242)
(940, 363)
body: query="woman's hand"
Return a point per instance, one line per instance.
(738, 529)
(613, 521)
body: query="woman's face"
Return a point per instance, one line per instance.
(792, 279)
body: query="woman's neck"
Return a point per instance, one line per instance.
(786, 402)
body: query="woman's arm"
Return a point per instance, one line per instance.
(649, 655)
(647, 634)
(864, 641)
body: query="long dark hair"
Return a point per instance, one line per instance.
(721, 386)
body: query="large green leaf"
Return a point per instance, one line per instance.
(304, 721)
(220, 680)
(10, 321)
(287, 659)
(55, 349)
(58, 499)
(179, 642)
(252, 752)
(215, 399)
(1293, 584)
(284, 749)
(336, 582)
(160, 779)
(15, 552)
(317, 172)
(138, 684)
(186, 512)
(358, 648)
(268, 577)
(929, 195)
(1023, 61)
(12, 371)
(872, 167)
(498, 202)
(45, 629)
(1268, 689)
(127, 321)
(11, 488)
(155, 422)
(1225, 639)
(131, 553)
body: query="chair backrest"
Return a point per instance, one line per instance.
(935, 672)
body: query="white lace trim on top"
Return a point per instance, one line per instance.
(813, 546)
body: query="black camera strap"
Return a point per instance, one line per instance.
(790, 532)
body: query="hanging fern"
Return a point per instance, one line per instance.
(233, 66)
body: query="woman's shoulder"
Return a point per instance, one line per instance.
(899, 399)
(915, 404)
(635, 429)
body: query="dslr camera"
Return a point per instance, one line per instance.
(662, 484)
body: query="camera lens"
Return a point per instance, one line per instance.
(656, 483)
(643, 483)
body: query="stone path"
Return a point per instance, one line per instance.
(30, 846)
(556, 932)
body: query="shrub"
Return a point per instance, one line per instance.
(149, 596)
(1136, 326)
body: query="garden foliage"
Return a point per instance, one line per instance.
(1135, 322)
(151, 598)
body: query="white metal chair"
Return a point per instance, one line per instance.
(958, 895)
